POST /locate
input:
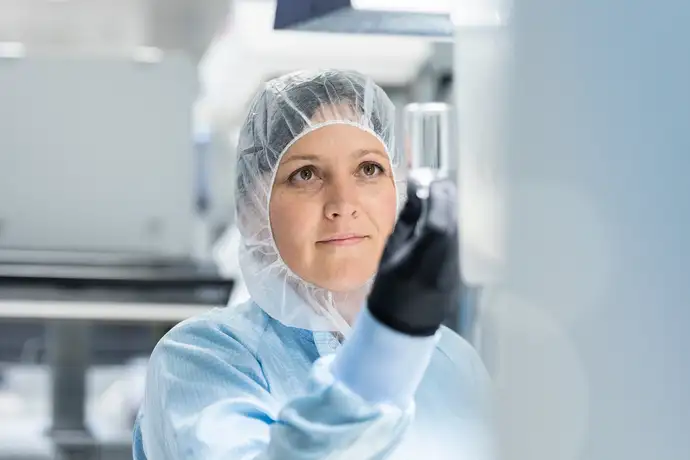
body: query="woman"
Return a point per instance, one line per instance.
(286, 375)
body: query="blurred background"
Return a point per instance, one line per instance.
(566, 125)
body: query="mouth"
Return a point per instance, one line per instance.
(348, 239)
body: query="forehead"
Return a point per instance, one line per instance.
(339, 135)
(333, 142)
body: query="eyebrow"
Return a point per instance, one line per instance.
(362, 152)
(314, 158)
(297, 157)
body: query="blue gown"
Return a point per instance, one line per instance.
(235, 384)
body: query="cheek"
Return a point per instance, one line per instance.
(291, 220)
(382, 208)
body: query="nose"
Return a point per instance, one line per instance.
(341, 200)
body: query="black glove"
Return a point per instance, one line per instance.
(419, 272)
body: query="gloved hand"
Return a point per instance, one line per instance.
(419, 270)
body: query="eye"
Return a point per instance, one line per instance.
(302, 175)
(371, 169)
(305, 174)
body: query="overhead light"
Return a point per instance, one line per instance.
(463, 12)
(407, 6)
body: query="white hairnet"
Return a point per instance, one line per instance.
(279, 115)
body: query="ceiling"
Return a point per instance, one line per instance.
(251, 52)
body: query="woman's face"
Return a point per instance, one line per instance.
(333, 206)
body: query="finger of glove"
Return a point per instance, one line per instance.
(433, 260)
(441, 215)
(424, 225)
(412, 210)
(436, 251)
(400, 243)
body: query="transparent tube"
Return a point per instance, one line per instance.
(427, 143)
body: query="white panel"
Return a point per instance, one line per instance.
(482, 60)
(589, 320)
(95, 155)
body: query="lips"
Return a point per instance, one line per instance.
(345, 239)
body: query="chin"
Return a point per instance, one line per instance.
(343, 285)
(343, 279)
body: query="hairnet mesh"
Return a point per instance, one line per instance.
(280, 114)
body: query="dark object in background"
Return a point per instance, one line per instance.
(293, 12)
(340, 16)
(110, 343)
